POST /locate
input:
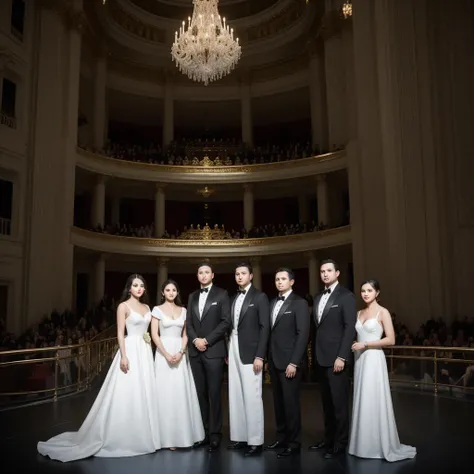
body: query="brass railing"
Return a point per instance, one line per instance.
(40, 374)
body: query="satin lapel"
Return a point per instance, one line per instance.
(315, 309)
(232, 310)
(329, 303)
(245, 305)
(209, 301)
(195, 305)
(283, 308)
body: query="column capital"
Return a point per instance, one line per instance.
(255, 261)
(6, 60)
(101, 179)
(310, 255)
(321, 178)
(248, 186)
(160, 186)
(102, 257)
(162, 261)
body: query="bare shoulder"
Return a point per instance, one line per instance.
(385, 314)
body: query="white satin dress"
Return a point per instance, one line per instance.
(123, 420)
(374, 430)
(177, 402)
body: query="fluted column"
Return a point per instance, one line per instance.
(168, 112)
(257, 272)
(115, 210)
(246, 110)
(98, 202)
(162, 275)
(99, 278)
(322, 199)
(248, 206)
(100, 113)
(160, 206)
(318, 99)
(313, 273)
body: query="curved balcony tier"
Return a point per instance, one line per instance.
(113, 244)
(117, 168)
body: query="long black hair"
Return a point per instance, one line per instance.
(373, 283)
(128, 285)
(177, 300)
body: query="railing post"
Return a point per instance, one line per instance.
(435, 358)
(88, 377)
(56, 370)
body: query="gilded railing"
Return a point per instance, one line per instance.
(40, 374)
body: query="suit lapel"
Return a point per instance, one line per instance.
(283, 308)
(316, 308)
(195, 305)
(332, 298)
(232, 310)
(245, 305)
(209, 301)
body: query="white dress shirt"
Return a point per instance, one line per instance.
(278, 305)
(238, 306)
(203, 298)
(324, 299)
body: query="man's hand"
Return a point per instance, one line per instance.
(257, 366)
(200, 344)
(290, 371)
(339, 365)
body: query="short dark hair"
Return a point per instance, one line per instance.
(291, 273)
(247, 265)
(373, 283)
(330, 260)
(205, 264)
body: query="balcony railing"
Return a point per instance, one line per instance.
(7, 120)
(5, 226)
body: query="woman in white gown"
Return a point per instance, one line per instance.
(123, 419)
(374, 430)
(178, 406)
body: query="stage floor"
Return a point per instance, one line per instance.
(442, 430)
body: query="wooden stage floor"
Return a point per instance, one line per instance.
(442, 430)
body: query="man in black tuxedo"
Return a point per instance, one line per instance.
(334, 313)
(250, 323)
(288, 342)
(207, 322)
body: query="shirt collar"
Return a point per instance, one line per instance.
(285, 295)
(332, 286)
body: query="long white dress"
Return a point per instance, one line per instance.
(123, 420)
(177, 402)
(374, 430)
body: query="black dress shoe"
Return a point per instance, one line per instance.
(200, 444)
(214, 446)
(253, 450)
(318, 446)
(237, 445)
(337, 451)
(288, 452)
(275, 445)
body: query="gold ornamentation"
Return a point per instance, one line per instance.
(205, 192)
(206, 233)
(147, 338)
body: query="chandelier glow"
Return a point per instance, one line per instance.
(206, 50)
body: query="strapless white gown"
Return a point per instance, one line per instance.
(123, 420)
(374, 430)
(177, 402)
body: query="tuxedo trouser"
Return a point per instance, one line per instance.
(286, 401)
(245, 399)
(207, 374)
(335, 396)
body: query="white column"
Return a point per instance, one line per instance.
(100, 87)
(115, 210)
(313, 272)
(318, 101)
(99, 278)
(257, 272)
(162, 275)
(168, 112)
(303, 209)
(246, 112)
(322, 199)
(98, 202)
(160, 206)
(248, 206)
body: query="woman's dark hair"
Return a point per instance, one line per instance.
(177, 300)
(128, 286)
(373, 283)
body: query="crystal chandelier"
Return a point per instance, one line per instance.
(206, 50)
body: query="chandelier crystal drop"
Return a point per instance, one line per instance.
(206, 50)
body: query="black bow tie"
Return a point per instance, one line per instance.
(327, 291)
(204, 290)
(241, 292)
(280, 298)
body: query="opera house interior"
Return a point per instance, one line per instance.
(319, 129)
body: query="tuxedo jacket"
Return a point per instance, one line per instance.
(213, 325)
(289, 335)
(335, 333)
(253, 328)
